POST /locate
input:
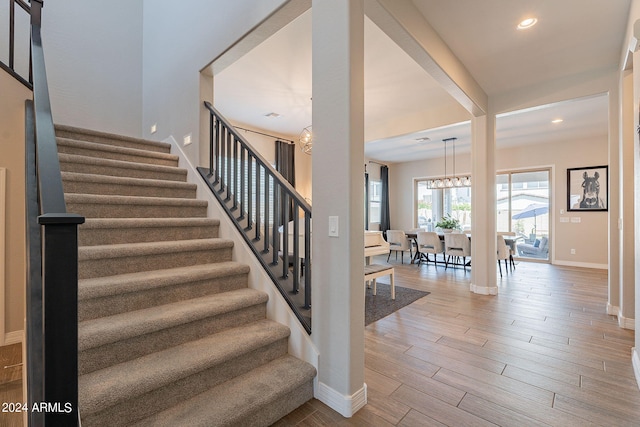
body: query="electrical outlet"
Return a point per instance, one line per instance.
(186, 140)
(154, 128)
(573, 251)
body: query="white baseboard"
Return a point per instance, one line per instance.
(613, 310)
(635, 361)
(626, 322)
(344, 405)
(582, 264)
(483, 290)
(13, 337)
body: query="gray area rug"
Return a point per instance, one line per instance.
(381, 305)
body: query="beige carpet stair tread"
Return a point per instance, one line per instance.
(109, 138)
(135, 377)
(231, 402)
(151, 248)
(135, 282)
(105, 330)
(117, 180)
(99, 148)
(112, 166)
(99, 223)
(129, 200)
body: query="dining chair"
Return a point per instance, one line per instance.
(456, 245)
(510, 239)
(503, 252)
(398, 242)
(429, 243)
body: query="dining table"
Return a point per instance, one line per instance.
(413, 235)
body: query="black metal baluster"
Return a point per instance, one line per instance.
(296, 246)
(257, 213)
(235, 142)
(285, 231)
(265, 249)
(307, 260)
(250, 171)
(223, 158)
(229, 179)
(275, 233)
(218, 155)
(243, 174)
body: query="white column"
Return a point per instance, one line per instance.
(338, 192)
(625, 258)
(483, 206)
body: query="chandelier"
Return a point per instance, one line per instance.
(306, 140)
(453, 181)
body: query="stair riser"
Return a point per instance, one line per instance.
(126, 157)
(100, 357)
(112, 236)
(106, 306)
(132, 410)
(125, 172)
(102, 267)
(102, 210)
(112, 189)
(109, 140)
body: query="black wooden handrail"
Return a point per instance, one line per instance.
(52, 275)
(263, 206)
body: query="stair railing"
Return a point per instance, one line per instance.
(11, 66)
(270, 214)
(52, 254)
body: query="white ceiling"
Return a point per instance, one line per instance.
(403, 103)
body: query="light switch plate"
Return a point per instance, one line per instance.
(333, 226)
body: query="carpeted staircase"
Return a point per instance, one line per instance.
(169, 332)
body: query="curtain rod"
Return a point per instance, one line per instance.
(381, 164)
(265, 134)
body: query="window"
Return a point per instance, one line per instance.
(523, 208)
(375, 198)
(432, 204)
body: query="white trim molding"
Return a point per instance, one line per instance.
(582, 264)
(13, 337)
(635, 361)
(3, 178)
(483, 290)
(343, 404)
(626, 322)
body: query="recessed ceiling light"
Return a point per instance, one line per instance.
(423, 139)
(557, 121)
(272, 115)
(527, 23)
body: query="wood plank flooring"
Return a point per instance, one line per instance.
(11, 383)
(541, 353)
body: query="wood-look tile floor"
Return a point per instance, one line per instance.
(541, 353)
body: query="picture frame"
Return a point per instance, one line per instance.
(588, 188)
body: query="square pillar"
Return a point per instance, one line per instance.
(338, 196)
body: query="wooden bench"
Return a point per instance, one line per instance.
(373, 271)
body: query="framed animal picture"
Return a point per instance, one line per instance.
(588, 189)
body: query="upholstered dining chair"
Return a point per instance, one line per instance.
(429, 243)
(510, 240)
(398, 242)
(503, 253)
(456, 245)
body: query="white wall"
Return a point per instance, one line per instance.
(93, 52)
(12, 151)
(589, 237)
(180, 39)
